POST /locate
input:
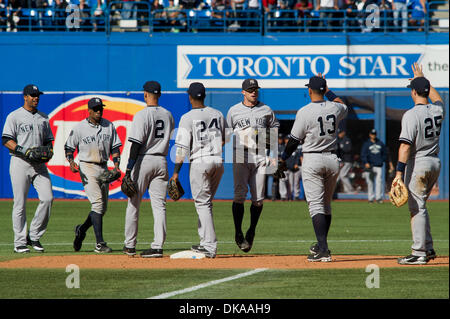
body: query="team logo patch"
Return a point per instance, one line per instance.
(119, 111)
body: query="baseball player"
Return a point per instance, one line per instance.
(201, 135)
(345, 154)
(147, 166)
(315, 127)
(418, 161)
(95, 138)
(294, 172)
(373, 155)
(275, 180)
(24, 128)
(249, 119)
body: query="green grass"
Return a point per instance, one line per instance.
(284, 229)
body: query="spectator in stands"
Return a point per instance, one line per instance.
(172, 13)
(327, 12)
(15, 14)
(419, 10)
(97, 13)
(2, 15)
(351, 15)
(283, 17)
(269, 7)
(129, 10)
(59, 15)
(304, 8)
(157, 10)
(253, 5)
(191, 4)
(85, 15)
(237, 6)
(400, 8)
(219, 8)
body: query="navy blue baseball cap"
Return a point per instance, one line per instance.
(94, 102)
(250, 84)
(373, 131)
(31, 89)
(317, 83)
(152, 87)
(421, 85)
(197, 90)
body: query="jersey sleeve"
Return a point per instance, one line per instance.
(48, 134)
(115, 140)
(229, 120)
(138, 129)
(343, 111)
(72, 141)
(9, 129)
(299, 128)
(184, 133)
(409, 128)
(273, 120)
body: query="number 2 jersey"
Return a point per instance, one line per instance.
(151, 128)
(421, 127)
(201, 132)
(316, 125)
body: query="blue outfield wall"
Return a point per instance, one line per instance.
(73, 66)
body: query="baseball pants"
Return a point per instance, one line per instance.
(149, 172)
(420, 176)
(377, 178)
(343, 177)
(319, 173)
(249, 175)
(23, 175)
(97, 193)
(204, 180)
(294, 182)
(285, 187)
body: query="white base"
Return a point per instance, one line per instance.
(187, 254)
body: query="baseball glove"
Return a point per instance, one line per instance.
(174, 189)
(398, 193)
(39, 154)
(108, 176)
(129, 187)
(281, 169)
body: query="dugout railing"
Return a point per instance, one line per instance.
(116, 18)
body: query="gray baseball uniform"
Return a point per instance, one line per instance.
(28, 130)
(316, 125)
(421, 127)
(201, 132)
(94, 144)
(151, 128)
(250, 154)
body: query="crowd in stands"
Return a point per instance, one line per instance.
(229, 15)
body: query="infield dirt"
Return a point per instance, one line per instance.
(220, 262)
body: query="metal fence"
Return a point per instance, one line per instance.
(141, 18)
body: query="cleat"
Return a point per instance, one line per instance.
(102, 248)
(320, 256)
(203, 250)
(241, 242)
(21, 249)
(79, 237)
(413, 260)
(129, 251)
(152, 253)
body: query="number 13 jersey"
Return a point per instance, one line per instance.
(316, 125)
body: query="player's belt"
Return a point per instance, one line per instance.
(101, 164)
(320, 152)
